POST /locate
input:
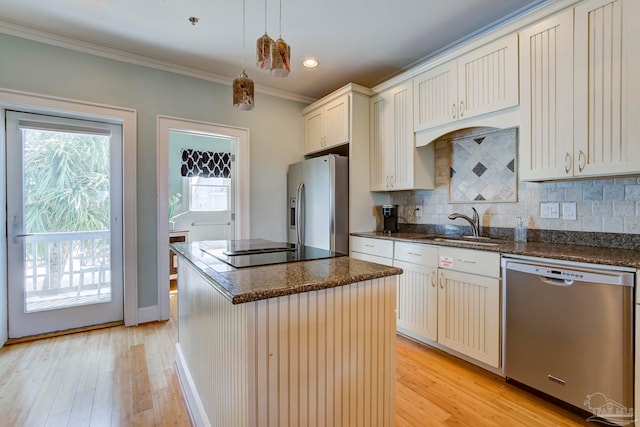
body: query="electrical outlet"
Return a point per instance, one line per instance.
(419, 211)
(550, 210)
(569, 211)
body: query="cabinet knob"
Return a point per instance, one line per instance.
(582, 161)
(567, 162)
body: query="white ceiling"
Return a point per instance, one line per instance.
(360, 41)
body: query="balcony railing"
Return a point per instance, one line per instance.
(63, 269)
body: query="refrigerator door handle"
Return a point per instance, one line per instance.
(299, 214)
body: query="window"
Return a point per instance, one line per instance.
(209, 194)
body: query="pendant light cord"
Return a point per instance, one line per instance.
(244, 2)
(265, 16)
(280, 18)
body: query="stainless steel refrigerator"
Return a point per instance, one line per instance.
(318, 197)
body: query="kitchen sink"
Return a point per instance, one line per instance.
(472, 240)
(463, 240)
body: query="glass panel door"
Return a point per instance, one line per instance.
(64, 206)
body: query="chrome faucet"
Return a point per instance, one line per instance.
(475, 222)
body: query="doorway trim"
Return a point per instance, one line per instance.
(241, 224)
(45, 104)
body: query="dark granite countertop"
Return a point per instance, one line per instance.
(256, 283)
(586, 254)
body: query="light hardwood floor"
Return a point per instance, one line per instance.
(125, 377)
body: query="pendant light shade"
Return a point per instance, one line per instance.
(243, 85)
(264, 45)
(281, 57)
(280, 54)
(243, 92)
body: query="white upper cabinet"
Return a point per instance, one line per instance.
(482, 81)
(327, 126)
(579, 93)
(436, 96)
(546, 93)
(607, 110)
(395, 162)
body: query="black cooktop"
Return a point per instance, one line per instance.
(243, 253)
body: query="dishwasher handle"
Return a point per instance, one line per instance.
(555, 282)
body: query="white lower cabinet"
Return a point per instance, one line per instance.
(417, 292)
(449, 296)
(469, 303)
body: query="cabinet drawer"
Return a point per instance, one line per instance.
(372, 258)
(416, 253)
(379, 247)
(470, 261)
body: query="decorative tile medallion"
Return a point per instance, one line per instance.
(483, 168)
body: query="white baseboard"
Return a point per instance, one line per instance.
(189, 392)
(148, 314)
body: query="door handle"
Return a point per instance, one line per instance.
(582, 161)
(16, 235)
(567, 162)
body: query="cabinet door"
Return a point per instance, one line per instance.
(402, 137)
(488, 78)
(378, 178)
(337, 122)
(469, 315)
(435, 97)
(417, 300)
(314, 131)
(546, 95)
(606, 80)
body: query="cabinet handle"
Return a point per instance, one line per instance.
(461, 108)
(582, 161)
(441, 280)
(369, 246)
(453, 110)
(413, 253)
(567, 162)
(391, 180)
(466, 261)
(433, 280)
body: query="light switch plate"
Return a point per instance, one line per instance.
(550, 210)
(569, 211)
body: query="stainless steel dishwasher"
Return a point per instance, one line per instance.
(569, 331)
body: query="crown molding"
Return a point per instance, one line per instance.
(57, 40)
(509, 24)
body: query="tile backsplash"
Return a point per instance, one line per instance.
(603, 205)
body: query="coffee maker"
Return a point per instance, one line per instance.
(390, 218)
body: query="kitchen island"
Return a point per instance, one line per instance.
(297, 343)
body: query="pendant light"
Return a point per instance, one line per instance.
(280, 54)
(243, 85)
(264, 45)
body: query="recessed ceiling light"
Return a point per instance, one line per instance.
(310, 63)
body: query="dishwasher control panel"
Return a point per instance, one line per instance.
(569, 273)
